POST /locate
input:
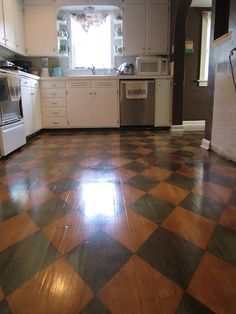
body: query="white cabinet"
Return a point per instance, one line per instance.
(157, 32)
(19, 27)
(30, 97)
(54, 108)
(134, 28)
(40, 30)
(105, 103)
(7, 26)
(79, 100)
(2, 33)
(93, 103)
(146, 27)
(163, 102)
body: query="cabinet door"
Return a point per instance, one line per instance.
(157, 33)
(8, 10)
(26, 98)
(80, 113)
(19, 27)
(106, 109)
(163, 102)
(134, 29)
(40, 30)
(37, 116)
(2, 34)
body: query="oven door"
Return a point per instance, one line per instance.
(12, 136)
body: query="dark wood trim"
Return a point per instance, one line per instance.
(179, 56)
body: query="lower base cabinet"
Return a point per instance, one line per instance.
(93, 103)
(30, 97)
(163, 102)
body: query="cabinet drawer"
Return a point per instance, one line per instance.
(105, 83)
(54, 112)
(53, 84)
(55, 122)
(80, 83)
(53, 92)
(54, 102)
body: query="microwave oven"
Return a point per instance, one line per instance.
(152, 66)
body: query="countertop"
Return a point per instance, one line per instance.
(107, 77)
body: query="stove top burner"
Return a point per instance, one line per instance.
(13, 68)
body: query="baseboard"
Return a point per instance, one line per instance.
(225, 153)
(206, 144)
(198, 125)
(177, 128)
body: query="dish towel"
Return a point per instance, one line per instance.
(13, 82)
(136, 89)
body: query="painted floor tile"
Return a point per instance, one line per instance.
(189, 305)
(203, 206)
(130, 229)
(218, 279)
(138, 288)
(156, 173)
(95, 306)
(190, 226)
(228, 218)
(152, 208)
(46, 292)
(98, 259)
(69, 231)
(169, 193)
(21, 262)
(177, 258)
(15, 230)
(213, 191)
(222, 244)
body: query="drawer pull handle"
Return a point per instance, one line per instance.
(54, 102)
(53, 93)
(55, 122)
(55, 112)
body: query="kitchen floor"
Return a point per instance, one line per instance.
(117, 222)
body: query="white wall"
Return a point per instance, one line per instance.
(224, 115)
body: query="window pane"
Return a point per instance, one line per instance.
(92, 47)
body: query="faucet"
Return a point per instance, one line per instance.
(93, 69)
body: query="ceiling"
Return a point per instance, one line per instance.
(201, 3)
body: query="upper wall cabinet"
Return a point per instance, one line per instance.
(2, 33)
(19, 27)
(40, 30)
(146, 27)
(7, 25)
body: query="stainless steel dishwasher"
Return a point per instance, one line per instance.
(137, 101)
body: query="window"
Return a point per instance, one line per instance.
(92, 46)
(205, 48)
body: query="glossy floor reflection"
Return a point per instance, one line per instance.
(117, 222)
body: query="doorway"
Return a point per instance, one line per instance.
(195, 92)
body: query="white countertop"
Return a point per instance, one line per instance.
(107, 77)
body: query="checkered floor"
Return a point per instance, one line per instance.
(117, 222)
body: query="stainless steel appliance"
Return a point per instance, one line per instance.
(137, 101)
(151, 65)
(12, 131)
